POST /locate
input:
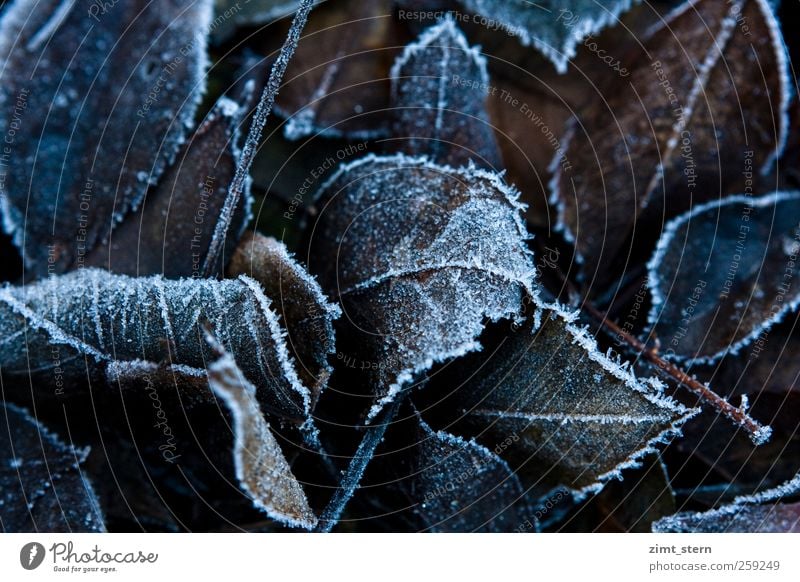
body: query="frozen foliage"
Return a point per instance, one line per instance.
(298, 299)
(421, 256)
(654, 147)
(42, 485)
(461, 486)
(96, 109)
(555, 27)
(95, 318)
(261, 468)
(725, 273)
(581, 416)
(171, 230)
(439, 89)
(751, 513)
(241, 179)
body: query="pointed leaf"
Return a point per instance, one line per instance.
(298, 299)
(261, 468)
(581, 416)
(724, 274)
(439, 89)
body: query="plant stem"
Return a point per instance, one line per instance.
(758, 433)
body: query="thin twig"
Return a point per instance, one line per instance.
(254, 135)
(352, 477)
(758, 433)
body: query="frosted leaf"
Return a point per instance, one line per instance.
(579, 417)
(42, 485)
(94, 318)
(747, 514)
(337, 82)
(554, 27)
(439, 90)
(298, 300)
(420, 256)
(98, 100)
(725, 273)
(654, 147)
(261, 468)
(455, 485)
(229, 15)
(170, 232)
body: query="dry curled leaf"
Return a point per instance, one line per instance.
(702, 115)
(81, 322)
(439, 89)
(94, 123)
(297, 298)
(43, 487)
(724, 274)
(580, 416)
(261, 468)
(170, 232)
(420, 256)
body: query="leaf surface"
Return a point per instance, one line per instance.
(94, 318)
(43, 487)
(99, 104)
(261, 468)
(702, 115)
(420, 256)
(576, 417)
(724, 274)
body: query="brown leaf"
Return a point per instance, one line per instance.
(420, 256)
(261, 468)
(579, 416)
(297, 298)
(337, 83)
(701, 115)
(439, 90)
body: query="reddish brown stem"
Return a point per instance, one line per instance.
(758, 433)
